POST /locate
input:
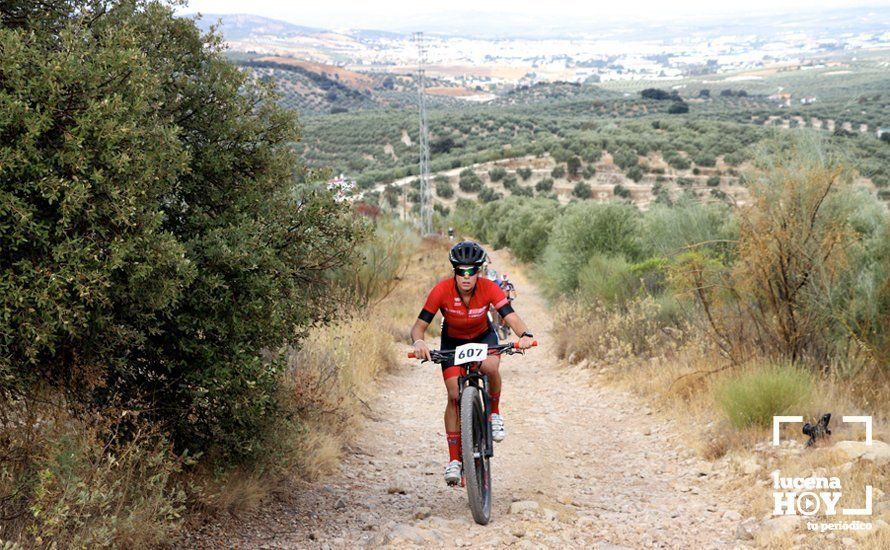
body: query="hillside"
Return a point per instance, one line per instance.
(240, 26)
(315, 88)
(650, 151)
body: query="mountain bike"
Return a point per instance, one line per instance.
(474, 406)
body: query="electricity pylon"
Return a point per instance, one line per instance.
(426, 192)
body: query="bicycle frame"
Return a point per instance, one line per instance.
(475, 378)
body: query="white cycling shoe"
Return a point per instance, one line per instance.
(452, 472)
(498, 433)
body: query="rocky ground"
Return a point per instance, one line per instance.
(583, 466)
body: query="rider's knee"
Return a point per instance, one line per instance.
(491, 364)
(453, 394)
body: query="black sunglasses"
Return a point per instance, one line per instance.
(467, 271)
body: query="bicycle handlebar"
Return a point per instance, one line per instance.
(438, 355)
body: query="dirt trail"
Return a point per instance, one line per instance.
(590, 467)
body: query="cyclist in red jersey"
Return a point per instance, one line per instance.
(463, 301)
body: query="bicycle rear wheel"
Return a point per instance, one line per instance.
(476, 465)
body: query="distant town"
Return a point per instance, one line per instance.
(485, 64)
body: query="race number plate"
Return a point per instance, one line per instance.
(469, 353)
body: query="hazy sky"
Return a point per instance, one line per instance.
(390, 14)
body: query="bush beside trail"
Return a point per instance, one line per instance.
(162, 254)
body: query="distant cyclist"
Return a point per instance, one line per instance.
(464, 300)
(508, 288)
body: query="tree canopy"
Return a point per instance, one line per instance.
(159, 239)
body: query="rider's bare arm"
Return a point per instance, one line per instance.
(519, 327)
(417, 332)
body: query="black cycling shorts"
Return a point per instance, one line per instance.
(489, 337)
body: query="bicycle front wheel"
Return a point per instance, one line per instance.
(476, 464)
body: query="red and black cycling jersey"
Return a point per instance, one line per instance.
(463, 321)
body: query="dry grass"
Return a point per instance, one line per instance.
(72, 481)
(425, 269)
(854, 476)
(237, 492)
(681, 377)
(332, 374)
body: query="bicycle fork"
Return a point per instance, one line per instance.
(465, 382)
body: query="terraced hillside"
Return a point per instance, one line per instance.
(693, 136)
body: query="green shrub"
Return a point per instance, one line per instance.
(157, 248)
(444, 188)
(672, 311)
(651, 274)
(523, 191)
(735, 158)
(866, 311)
(524, 173)
(606, 279)
(469, 182)
(544, 185)
(592, 155)
(634, 173)
(558, 172)
(497, 173)
(668, 231)
(752, 398)
(678, 107)
(705, 159)
(488, 195)
(584, 229)
(625, 158)
(677, 161)
(582, 190)
(529, 226)
(621, 191)
(573, 165)
(801, 199)
(713, 181)
(520, 223)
